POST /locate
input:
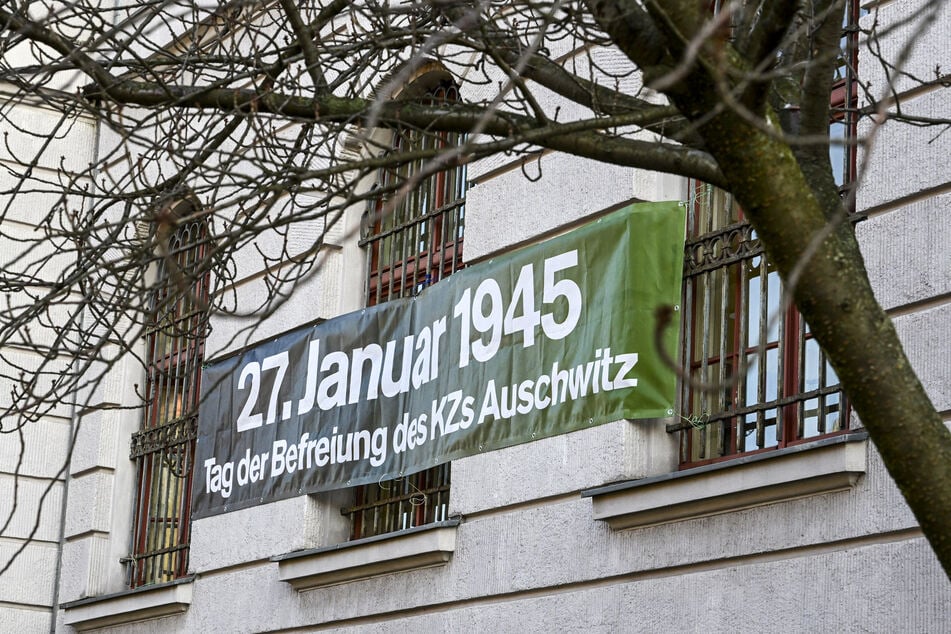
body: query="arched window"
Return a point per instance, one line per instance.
(414, 236)
(164, 448)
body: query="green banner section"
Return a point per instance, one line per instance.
(547, 339)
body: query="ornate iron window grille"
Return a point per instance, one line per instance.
(775, 386)
(164, 448)
(768, 395)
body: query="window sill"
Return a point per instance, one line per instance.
(121, 608)
(410, 549)
(821, 466)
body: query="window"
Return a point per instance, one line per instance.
(769, 394)
(774, 385)
(164, 448)
(414, 239)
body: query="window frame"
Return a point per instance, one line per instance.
(734, 251)
(164, 448)
(414, 238)
(435, 206)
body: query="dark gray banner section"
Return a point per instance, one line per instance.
(547, 339)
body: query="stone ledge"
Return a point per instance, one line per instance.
(410, 549)
(820, 466)
(149, 602)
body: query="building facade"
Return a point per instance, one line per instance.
(761, 506)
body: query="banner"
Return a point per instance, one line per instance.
(544, 340)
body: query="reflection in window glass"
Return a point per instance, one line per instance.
(837, 151)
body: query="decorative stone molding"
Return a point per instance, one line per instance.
(820, 466)
(148, 602)
(410, 549)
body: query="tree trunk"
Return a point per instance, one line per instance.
(833, 292)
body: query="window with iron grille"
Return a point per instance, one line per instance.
(773, 383)
(164, 448)
(413, 236)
